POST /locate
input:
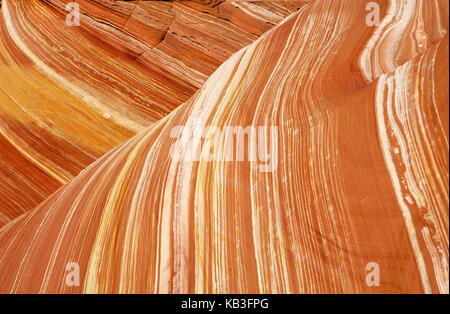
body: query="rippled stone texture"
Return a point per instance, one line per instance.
(70, 94)
(362, 174)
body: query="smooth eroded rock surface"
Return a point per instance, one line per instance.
(68, 94)
(359, 174)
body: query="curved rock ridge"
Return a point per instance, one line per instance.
(359, 176)
(68, 94)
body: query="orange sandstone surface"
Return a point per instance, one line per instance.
(360, 173)
(68, 94)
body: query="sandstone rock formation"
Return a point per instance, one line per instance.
(70, 94)
(360, 174)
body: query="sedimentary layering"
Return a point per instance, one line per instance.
(359, 176)
(68, 94)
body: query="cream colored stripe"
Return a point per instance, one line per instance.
(380, 99)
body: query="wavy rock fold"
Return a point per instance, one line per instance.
(360, 173)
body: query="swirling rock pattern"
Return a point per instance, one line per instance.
(70, 94)
(362, 174)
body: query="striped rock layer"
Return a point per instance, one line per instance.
(68, 94)
(360, 174)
